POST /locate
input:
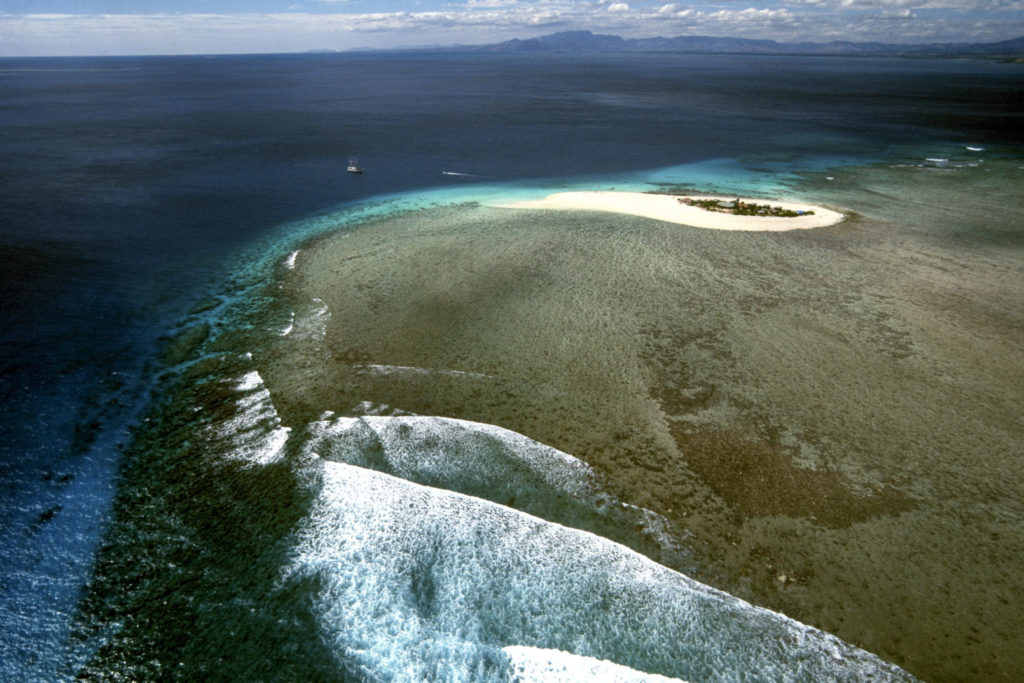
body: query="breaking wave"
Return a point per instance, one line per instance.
(442, 549)
(421, 583)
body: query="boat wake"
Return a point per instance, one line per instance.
(462, 175)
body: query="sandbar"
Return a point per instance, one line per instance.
(671, 208)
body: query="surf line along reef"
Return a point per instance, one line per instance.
(699, 211)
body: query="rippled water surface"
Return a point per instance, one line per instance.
(266, 419)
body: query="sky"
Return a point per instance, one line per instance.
(111, 27)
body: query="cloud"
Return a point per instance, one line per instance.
(748, 19)
(485, 21)
(982, 8)
(903, 13)
(489, 4)
(883, 3)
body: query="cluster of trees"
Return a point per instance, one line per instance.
(741, 208)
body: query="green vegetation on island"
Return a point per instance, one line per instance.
(739, 207)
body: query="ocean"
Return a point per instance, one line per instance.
(264, 418)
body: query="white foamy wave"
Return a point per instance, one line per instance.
(289, 327)
(249, 381)
(289, 262)
(390, 370)
(254, 432)
(371, 408)
(310, 322)
(495, 464)
(417, 583)
(534, 664)
(449, 452)
(939, 162)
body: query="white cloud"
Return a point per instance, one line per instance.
(490, 4)
(484, 21)
(883, 3)
(980, 7)
(750, 15)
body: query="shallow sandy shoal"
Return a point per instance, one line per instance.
(671, 208)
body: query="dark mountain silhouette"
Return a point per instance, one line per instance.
(576, 41)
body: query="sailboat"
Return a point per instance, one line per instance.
(353, 165)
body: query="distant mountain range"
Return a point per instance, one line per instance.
(577, 41)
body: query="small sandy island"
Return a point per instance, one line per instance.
(675, 209)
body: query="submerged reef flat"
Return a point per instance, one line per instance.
(828, 419)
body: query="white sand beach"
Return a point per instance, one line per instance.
(672, 208)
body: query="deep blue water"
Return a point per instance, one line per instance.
(128, 183)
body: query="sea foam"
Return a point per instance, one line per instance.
(378, 370)
(289, 327)
(534, 664)
(496, 464)
(418, 583)
(415, 581)
(254, 429)
(289, 261)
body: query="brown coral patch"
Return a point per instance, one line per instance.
(757, 480)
